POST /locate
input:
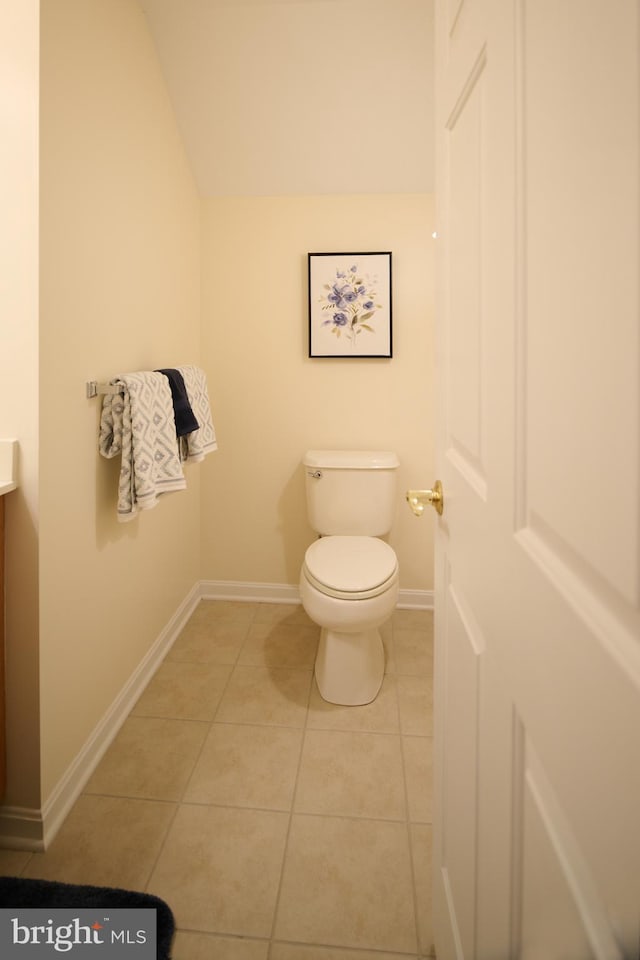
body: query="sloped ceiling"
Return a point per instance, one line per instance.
(277, 97)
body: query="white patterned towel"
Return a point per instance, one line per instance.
(139, 424)
(203, 440)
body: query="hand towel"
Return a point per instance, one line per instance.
(139, 424)
(184, 417)
(202, 441)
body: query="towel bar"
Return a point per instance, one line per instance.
(93, 388)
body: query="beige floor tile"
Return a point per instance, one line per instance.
(347, 883)
(107, 841)
(351, 774)
(413, 652)
(280, 645)
(151, 757)
(418, 766)
(219, 869)
(412, 620)
(205, 946)
(389, 653)
(228, 611)
(209, 642)
(386, 632)
(224, 724)
(379, 716)
(421, 848)
(285, 613)
(13, 862)
(184, 691)
(247, 766)
(415, 702)
(295, 951)
(266, 695)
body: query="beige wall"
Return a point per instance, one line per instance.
(281, 98)
(103, 247)
(119, 291)
(271, 402)
(19, 382)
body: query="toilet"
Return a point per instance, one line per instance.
(349, 578)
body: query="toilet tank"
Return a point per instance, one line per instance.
(351, 492)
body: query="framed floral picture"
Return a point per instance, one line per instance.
(350, 305)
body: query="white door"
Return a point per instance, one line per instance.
(537, 677)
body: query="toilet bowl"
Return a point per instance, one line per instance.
(349, 587)
(349, 578)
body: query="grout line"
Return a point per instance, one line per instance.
(213, 719)
(291, 815)
(414, 890)
(303, 728)
(161, 847)
(26, 864)
(370, 952)
(254, 808)
(210, 723)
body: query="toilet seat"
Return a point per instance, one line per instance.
(350, 568)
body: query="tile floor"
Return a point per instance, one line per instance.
(277, 826)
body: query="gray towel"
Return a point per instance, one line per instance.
(139, 424)
(196, 445)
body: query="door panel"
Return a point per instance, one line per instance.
(560, 905)
(537, 666)
(459, 783)
(466, 409)
(580, 234)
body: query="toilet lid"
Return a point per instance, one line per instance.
(350, 567)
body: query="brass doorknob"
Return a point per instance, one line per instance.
(418, 499)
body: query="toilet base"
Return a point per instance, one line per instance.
(349, 666)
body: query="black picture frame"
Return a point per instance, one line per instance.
(350, 305)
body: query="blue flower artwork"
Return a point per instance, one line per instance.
(350, 305)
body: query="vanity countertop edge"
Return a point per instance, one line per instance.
(8, 466)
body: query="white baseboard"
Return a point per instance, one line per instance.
(32, 829)
(415, 600)
(289, 593)
(248, 592)
(21, 828)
